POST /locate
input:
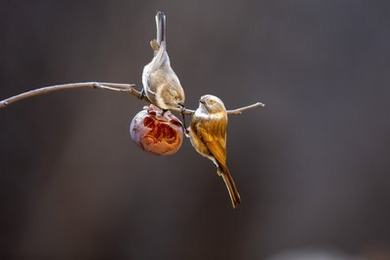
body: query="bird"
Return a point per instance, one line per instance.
(160, 83)
(208, 133)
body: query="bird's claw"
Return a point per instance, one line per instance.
(187, 133)
(143, 95)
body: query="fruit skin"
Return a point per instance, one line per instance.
(157, 132)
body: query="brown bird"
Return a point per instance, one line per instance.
(160, 83)
(208, 136)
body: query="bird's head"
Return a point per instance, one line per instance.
(171, 98)
(177, 97)
(212, 104)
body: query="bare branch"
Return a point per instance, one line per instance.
(129, 88)
(238, 111)
(118, 87)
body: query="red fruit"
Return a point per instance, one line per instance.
(157, 133)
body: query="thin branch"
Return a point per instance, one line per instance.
(118, 87)
(238, 111)
(129, 88)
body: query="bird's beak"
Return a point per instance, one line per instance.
(203, 104)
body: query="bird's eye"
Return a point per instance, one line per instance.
(173, 93)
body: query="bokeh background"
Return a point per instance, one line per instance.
(312, 167)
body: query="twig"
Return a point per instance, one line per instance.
(118, 87)
(238, 111)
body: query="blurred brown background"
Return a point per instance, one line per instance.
(312, 167)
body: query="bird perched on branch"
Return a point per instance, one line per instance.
(160, 83)
(207, 133)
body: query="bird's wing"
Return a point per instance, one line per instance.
(155, 79)
(213, 135)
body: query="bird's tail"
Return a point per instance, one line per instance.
(230, 185)
(161, 25)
